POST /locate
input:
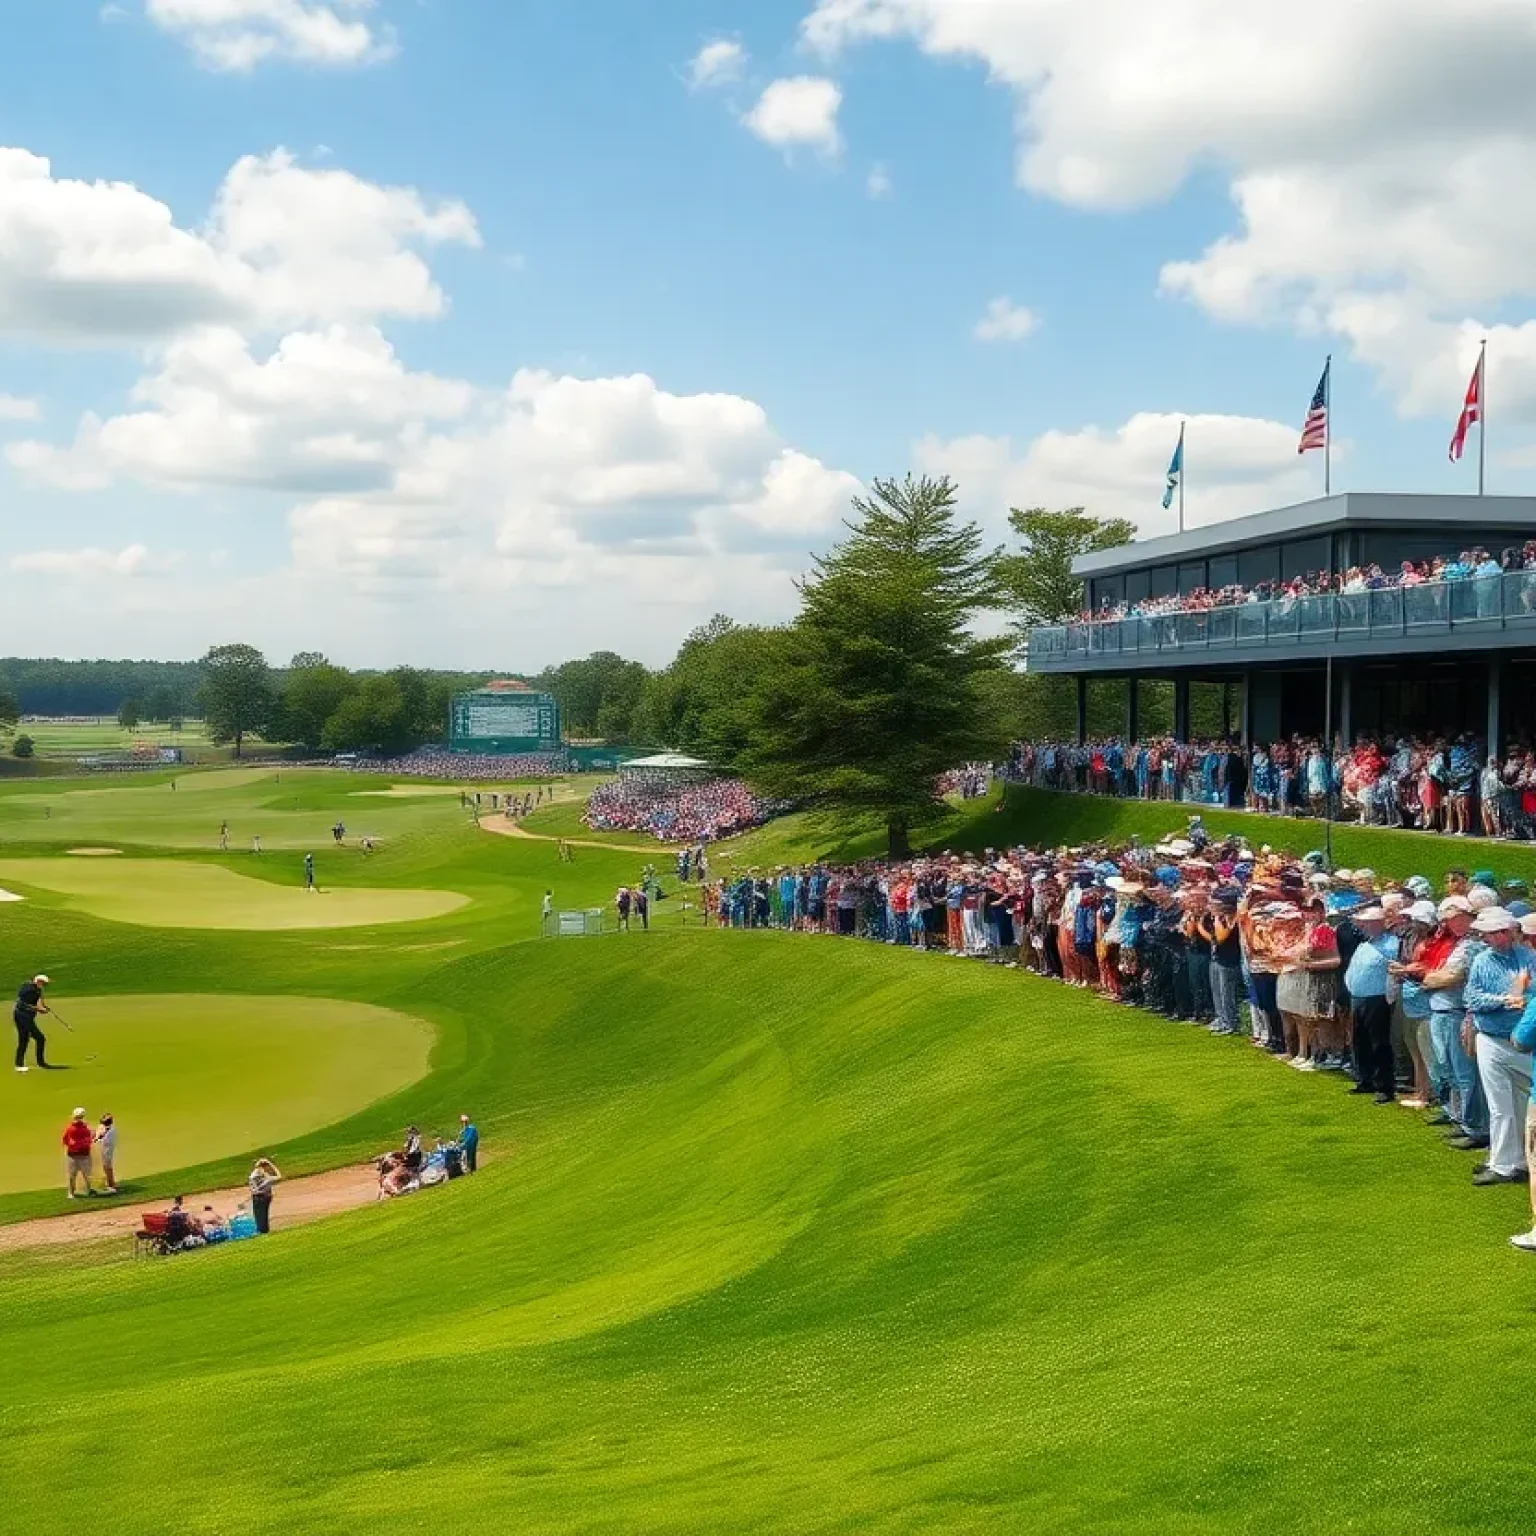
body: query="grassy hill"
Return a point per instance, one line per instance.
(776, 1234)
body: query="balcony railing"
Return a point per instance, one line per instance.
(1471, 605)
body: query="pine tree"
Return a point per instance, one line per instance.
(877, 693)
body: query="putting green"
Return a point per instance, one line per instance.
(190, 1078)
(165, 893)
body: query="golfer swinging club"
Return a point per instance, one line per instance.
(29, 1003)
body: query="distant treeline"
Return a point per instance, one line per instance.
(598, 695)
(158, 690)
(47, 686)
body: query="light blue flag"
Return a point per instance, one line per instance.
(1175, 471)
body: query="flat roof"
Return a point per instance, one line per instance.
(666, 760)
(1328, 514)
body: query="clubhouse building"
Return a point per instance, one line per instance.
(1440, 656)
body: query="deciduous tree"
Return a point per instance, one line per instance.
(1037, 577)
(237, 693)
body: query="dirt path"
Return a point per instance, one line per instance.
(504, 828)
(295, 1201)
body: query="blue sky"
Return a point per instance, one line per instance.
(722, 317)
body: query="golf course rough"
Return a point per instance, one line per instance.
(781, 1234)
(190, 1078)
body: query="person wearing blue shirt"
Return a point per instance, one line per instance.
(1366, 978)
(469, 1143)
(1497, 983)
(1524, 1039)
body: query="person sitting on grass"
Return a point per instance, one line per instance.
(394, 1177)
(178, 1224)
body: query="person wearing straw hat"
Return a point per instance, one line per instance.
(1367, 980)
(29, 1003)
(1497, 985)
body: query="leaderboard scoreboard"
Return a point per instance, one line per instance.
(504, 720)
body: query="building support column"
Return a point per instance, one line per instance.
(1132, 711)
(1082, 707)
(1495, 740)
(1181, 709)
(1245, 702)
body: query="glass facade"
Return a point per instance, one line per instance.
(1492, 604)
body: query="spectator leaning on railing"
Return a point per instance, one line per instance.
(1469, 563)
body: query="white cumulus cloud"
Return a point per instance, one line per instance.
(1376, 153)
(1006, 321)
(798, 112)
(18, 408)
(104, 263)
(426, 516)
(237, 35)
(75, 564)
(1234, 465)
(718, 63)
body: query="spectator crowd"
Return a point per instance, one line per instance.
(1469, 564)
(677, 813)
(1415, 997)
(1431, 783)
(439, 763)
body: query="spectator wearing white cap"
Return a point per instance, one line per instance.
(1367, 979)
(1446, 960)
(1524, 1039)
(1497, 984)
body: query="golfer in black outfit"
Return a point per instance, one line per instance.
(29, 1003)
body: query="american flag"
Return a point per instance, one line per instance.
(1314, 430)
(1471, 410)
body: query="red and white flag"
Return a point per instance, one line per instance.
(1471, 410)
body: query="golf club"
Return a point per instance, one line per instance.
(91, 1056)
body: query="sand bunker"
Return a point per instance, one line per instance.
(94, 853)
(411, 791)
(11, 896)
(299, 1201)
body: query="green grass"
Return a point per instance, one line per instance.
(782, 1234)
(71, 738)
(190, 1077)
(163, 893)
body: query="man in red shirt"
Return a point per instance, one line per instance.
(77, 1140)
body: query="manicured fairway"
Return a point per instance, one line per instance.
(160, 894)
(807, 1236)
(190, 1078)
(782, 1234)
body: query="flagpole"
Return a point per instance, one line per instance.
(1482, 411)
(1181, 477)
(1328, 427)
